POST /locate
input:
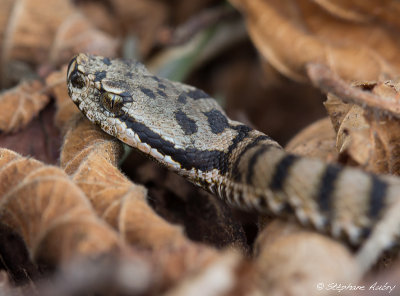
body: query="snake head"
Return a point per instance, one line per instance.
(99, 87)
(174, 123)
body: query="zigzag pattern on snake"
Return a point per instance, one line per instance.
(186, 130)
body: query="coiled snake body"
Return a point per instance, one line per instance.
(186, 130)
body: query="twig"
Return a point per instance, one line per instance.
(322, 77)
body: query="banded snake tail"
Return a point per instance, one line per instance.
(186, 130)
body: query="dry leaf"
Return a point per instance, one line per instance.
(316, 140)
(290, 34)
(76, 35)
(224, 276)
(323, 78)
(101, 15)
(363, 11)
(106, 275)
(367, 131)
(292, 261)
(66, 109)
(20, 104)
(39, 139)
(7, 287)
(353, 140)
(143, 18)
(90, 157)
(36, 29)
(50, 212)
(5, 15)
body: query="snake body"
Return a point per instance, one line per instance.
(186, 130)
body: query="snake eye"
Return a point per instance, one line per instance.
(112, 102)
(77, 80)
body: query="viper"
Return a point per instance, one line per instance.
(184, 129)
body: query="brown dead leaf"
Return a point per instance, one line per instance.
(290, 34)
(363, 11)
(366, 118)
(211, 279)
(316, 140)
(76, 35)
(290, 259)
(5, 15)
(66, 109)
(20, 104)
(323, 78)
(100, 15)
(50, 212)
(386, 141)
(121, 274)
(8, 288)
(354, 140)
(143, 18)
(39, 139)
(90, 157)
(36, 29)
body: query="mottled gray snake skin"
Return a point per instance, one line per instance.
(186, 130)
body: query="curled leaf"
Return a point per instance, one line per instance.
(143, 18)
(316, 140)
(231, 273)
(353, 137)
(290, 260)
(366, 118)
(58, 88)
(90, 157)
(76, 35)
(363, 11)
(49, 211)
(290, 34)
(20, 104)
(35, 30)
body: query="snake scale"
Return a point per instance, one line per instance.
(186, 130)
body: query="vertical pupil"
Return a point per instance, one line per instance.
(77, 80)
(111, 102)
